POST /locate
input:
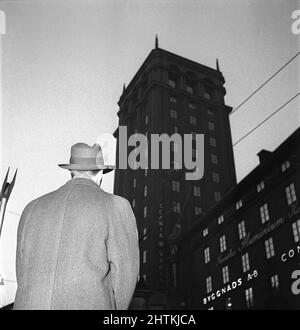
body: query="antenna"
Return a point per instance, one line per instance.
(156, 41)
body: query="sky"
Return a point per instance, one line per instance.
(63, 65)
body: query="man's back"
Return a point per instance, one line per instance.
(77, 249)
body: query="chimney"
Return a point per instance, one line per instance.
(263, 154)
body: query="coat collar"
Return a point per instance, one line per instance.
(83, 181)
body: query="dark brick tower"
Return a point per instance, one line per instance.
(170, 94)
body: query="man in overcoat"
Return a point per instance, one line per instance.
(77, 247)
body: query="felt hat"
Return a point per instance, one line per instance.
(86, 158)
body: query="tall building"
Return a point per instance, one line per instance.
(245, 252)
(171, 94)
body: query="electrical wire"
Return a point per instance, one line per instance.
(266, 119)
(261, 86)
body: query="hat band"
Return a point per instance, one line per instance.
(86, 161)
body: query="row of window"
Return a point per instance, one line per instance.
(192, 106)
(263, 209)
(249, 299)
(290, 193)
(144, 257)
(290, 190)
(269, 244)
(249, 292)
(190, 87)
(176, 208)
(196, 189)
(291, 197)
(192, 119)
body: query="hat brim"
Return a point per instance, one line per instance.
(84, 167)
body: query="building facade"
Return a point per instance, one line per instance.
(171, 94)
(245, 252)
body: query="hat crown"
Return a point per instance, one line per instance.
(87, 158)
(84, 150)
(82, 153)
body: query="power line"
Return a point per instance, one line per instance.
(261, 86)
(262, 122)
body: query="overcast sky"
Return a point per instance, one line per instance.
(64, 64)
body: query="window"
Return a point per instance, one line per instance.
(192, 106)
(296, 230)
(145, 234)
(145, 191)
(216, 177)
(260, 186)
(134, 183)
(197, 191)
(269, 246)
(175, 185)
(205, 232)
(217, 196)
(144, 256)
(211, 126)
(144, 277)
(285, 166)
(212, 141)
(146, 172)
(249, 297)
(208, 284)
(173, 99)
(239, 204)
(225, 273)
(172, 83)
(146, 120)
(176, 207)
(198, 210)
(264, 213)
(214, 159)
(290, 193)
(189, 88)
(210, 112)
(242, 229)
(175, 129)
(145, 211)
(206, 255)
(207, 93)
(222, 243)
(173, 113)
(275, 282)
(193, 120)
(172, 79)
(245, 262)
(133, 202)
(220, 219)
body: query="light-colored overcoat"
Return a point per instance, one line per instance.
(77, 248)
